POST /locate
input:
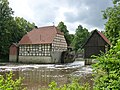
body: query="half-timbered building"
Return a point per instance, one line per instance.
(42, 45)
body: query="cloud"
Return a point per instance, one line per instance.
(88, 12)
(72, 12)
(22, 9)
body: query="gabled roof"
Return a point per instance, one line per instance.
(42, 35)
(101, 35)
(104, 37)
(16, 44)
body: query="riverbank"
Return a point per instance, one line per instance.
(40, 75)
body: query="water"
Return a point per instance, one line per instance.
(37, 76)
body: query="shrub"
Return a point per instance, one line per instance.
(107, 70)
(72, 86)
(7, 82)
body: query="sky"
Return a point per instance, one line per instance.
(72, 12)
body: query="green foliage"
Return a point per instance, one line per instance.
(81, 36)
(107, 70)
(112, 26)
(19, 28)
(71, 37)
(72, 86)
(116, 1)
(11, 29)
(63, 28)
(5, 21)
(8, 83)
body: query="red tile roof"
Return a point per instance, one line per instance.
(104, 37)
(42, 35)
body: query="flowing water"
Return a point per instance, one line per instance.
(37, 76)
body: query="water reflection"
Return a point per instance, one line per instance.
(39, 76)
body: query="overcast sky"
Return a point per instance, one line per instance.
(72, 12)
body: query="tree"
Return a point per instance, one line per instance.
(11, 29)
(19, 28)
(71, 37)
(116, 1)
(63, 28)
(112, 26)
(5, 22)
(81, 36)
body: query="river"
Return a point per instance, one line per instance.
(37, 76)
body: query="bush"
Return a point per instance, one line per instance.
(72, 86)
(107, 70)
(7, 83)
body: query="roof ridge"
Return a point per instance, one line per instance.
(99, 33)
(45, 27)
(41, 35)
